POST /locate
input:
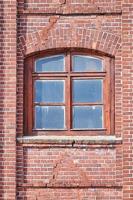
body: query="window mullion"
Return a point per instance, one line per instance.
(88, 75)
(107, 97)
(88, 104)
(68, 92)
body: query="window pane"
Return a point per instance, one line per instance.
(87, 91)
(49, 117)
(50, 64)
(86, 63)
(87, 117)
(49, 91)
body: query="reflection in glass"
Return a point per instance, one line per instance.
(50, 64)
(50, 117)
(49, 91)
(87, 91)
(86, 63)
(87, 117)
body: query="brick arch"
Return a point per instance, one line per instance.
(46, 39)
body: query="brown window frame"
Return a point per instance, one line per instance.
(108, 92)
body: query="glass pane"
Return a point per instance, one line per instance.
(49, 91)
(50, 64)
(87, 117)
(87, 91)
(49, 117)
(86, 63)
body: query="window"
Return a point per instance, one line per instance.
(69, 93)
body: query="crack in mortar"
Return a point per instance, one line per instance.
(64, 2)
(52, 21)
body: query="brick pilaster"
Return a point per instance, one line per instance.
(127, 58)
(7, 99)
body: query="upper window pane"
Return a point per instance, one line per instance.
(87, 91)
(49, 91)
(86, 64)
(50, 64)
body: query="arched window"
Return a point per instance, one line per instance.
(69, 93)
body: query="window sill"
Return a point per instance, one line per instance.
(73, 140)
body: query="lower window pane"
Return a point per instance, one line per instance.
(87, 117)
(49, 117)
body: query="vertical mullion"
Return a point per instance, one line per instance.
(29, 96)
(65, 102)
(26, 96)
(68, 91)
(103, 101)
(112, 93)
(107, 96)
(33, 97)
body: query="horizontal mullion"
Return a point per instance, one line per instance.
(49, 104)
(73, 132)
(65, 74)
(49, 78)
(88, 104)
(86, 74)
(87, 129)
(72, 74)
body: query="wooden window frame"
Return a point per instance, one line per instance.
(108, 93)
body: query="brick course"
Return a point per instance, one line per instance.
(36, 169)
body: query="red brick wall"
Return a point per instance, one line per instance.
(127, 60)
(71, 167)
(74, 5)
(8, 99)
(70, 194)
(70, 170)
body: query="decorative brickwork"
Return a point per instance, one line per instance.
(71, 168)
(51, 37)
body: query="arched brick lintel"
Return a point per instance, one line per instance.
(105, 42)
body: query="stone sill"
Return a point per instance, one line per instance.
(108, 139)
